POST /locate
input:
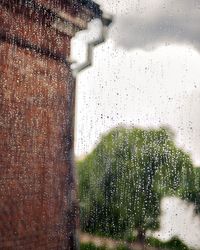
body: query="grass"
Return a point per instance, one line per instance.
(173, 244)
(90, 246)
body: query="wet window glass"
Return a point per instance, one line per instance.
(137, 127)
(99, 124)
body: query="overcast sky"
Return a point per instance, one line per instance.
(147, 73)
(149, 24)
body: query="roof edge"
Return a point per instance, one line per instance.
(92, 6)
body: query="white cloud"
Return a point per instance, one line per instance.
(149, 24)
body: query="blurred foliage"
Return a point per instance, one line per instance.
(122, 181)
(173, 244)
(90, 246)
(194, 194)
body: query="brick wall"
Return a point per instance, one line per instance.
(37, 188)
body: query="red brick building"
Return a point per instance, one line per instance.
(38, 208)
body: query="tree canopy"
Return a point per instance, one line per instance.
(122, 181)
(194, 194)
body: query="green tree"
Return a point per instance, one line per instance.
(193, 195)
(122, 181)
